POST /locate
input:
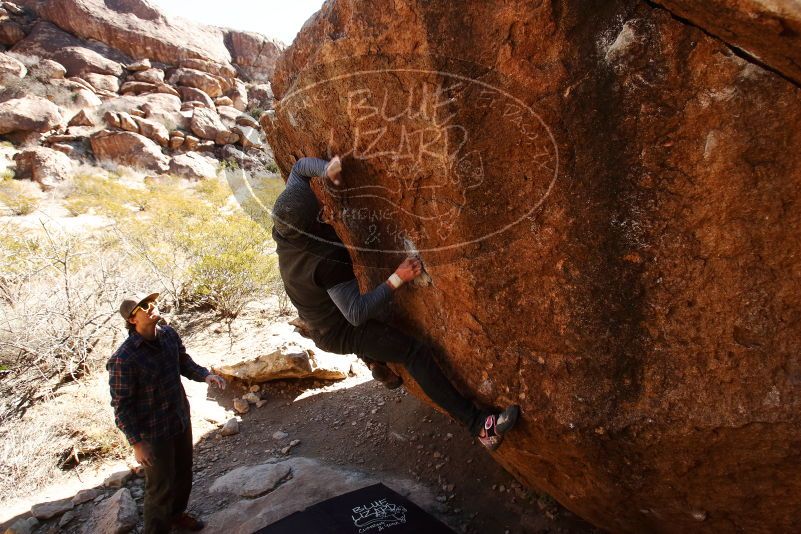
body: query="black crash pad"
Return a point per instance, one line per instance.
(371, 510)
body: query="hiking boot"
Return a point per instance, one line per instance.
(495, 426)
(385, 375)
(187, 522)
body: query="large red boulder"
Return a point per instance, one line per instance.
(608, 203)
(770, 32)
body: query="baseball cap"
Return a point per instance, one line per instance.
(130, 303)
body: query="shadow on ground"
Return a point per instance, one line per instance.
(363, 432)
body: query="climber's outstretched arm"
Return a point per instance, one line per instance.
(358, 308)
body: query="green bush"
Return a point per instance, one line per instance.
(272, 167)
(20, 197)
(256, 112)
(104, 195)
(231, 264)
(213, 190)
(205, 254)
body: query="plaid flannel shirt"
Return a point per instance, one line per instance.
(146, 391)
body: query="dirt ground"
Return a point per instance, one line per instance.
(369, 428)
(354, 423)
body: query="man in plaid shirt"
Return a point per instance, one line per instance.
(151, 409)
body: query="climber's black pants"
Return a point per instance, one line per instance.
(381, 342)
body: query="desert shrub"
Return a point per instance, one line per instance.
(16, 263)
(256, 112)
(75, 426)
(204, 254)
(19, 197)
(228, 165)
(103, 194)
(272, 167)
(232, 264)
(214, 191)
(60, 296)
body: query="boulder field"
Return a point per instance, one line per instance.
(121, 83)
(606, 199)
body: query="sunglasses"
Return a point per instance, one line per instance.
(144, 306)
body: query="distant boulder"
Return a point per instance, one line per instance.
(206, 124)
(10, 66)
(43, 165)
(82, 118)
(154, 76)
(138, 66)
(28, 114)
(129, 148)
(138, 29)
(287, 362)
(192, 94)
(153, 130)
(254, 54)
(47, 69)
(103, 82)
(193, 166)
(204, 81)
(10, 33)
(208, 66)
(78, 57)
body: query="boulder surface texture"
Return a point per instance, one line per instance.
(607, 200)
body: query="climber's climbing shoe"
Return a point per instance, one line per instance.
(385, 375)
(495, 426)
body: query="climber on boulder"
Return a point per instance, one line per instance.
(318, 275)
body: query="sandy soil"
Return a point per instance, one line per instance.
(355, 423)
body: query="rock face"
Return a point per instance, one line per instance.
(10, 66)
(193, 166)
(252, 481)
(306, 482)
(142, 72)
(197, 79)
(608, 202)
(48, 510)
(206, 124)
(138, 29)
(78, 57)
(769, 31)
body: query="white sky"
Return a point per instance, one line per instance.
(280, 19)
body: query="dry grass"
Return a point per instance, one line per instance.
(40, 449)
(18, 197)
(58, 298)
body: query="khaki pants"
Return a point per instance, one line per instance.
(168, 481)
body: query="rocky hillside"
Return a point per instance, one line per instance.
(607, 199)
(121, 83)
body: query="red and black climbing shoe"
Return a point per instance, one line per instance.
(187, 522)
(382, 373)
(495, 426)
